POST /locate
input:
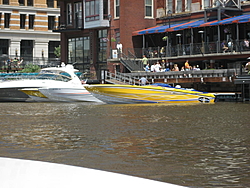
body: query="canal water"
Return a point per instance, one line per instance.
(201, 145)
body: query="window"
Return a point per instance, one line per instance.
(170, 5)
(69, 14)
(31, 21)
(149, 8)
(29, 2)
(51, 22)
(6, 20)
(117, 8)
(21, 2)
(5, 2)
(22, 21)
(79, 53)
(206, 4)
(52, 46)
(78, 15)
(188, 5)
(50, 3)
(105, 9)
(27, 49)
(178, 6)
(102, 46)
(4, 46)
(92, 10)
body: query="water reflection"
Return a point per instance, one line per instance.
(192, 145)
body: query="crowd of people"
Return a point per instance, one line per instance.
(164, 66)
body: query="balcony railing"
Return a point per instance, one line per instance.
(199, 49)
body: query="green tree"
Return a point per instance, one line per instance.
(31, 68)
(57, 51)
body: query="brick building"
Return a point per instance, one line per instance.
(90, 30)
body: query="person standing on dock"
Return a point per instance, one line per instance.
(144, 60)
(143, 81)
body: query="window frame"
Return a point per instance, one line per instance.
(178, 9)
(7, 20)
(92, 10)
(51, 22)
(117, 8)
(69, 13)
(22, 21)
(149, 8)
(31, 21)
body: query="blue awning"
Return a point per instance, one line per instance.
(155, 29)
(192, 24)
(166, 28)
(237, 19)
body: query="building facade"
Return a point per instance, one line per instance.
(26, 30)
(91, 29)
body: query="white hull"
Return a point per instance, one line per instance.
(19, 173)
(68, 94)
(57, 84)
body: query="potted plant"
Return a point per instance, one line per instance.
(113, 39)
(165, 38)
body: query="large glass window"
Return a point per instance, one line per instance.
(6, 20)
(92, 10)
(102, 46)
(31, 21)
(117, 8)
(79, 53)
(69, 14)
(149, 8)
(78, 14)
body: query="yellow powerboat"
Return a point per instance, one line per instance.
(156, 93)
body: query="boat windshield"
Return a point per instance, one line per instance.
(50, 75)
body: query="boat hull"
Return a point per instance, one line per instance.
(60, 94)
(12, 95)
(68, 94)
(113, 94)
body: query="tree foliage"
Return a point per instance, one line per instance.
(31, 68)
(57, 51)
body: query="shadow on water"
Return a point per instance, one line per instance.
(198, 145)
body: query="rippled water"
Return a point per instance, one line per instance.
(203, 145)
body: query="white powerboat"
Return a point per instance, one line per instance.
(51, 84)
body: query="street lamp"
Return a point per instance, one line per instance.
(110, 47)
(179, 36)
(202, 40)
(169, 15)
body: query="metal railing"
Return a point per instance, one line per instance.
(191, 49)
(121, 78)
(133, 78)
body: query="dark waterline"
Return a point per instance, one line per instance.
(203, 145)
